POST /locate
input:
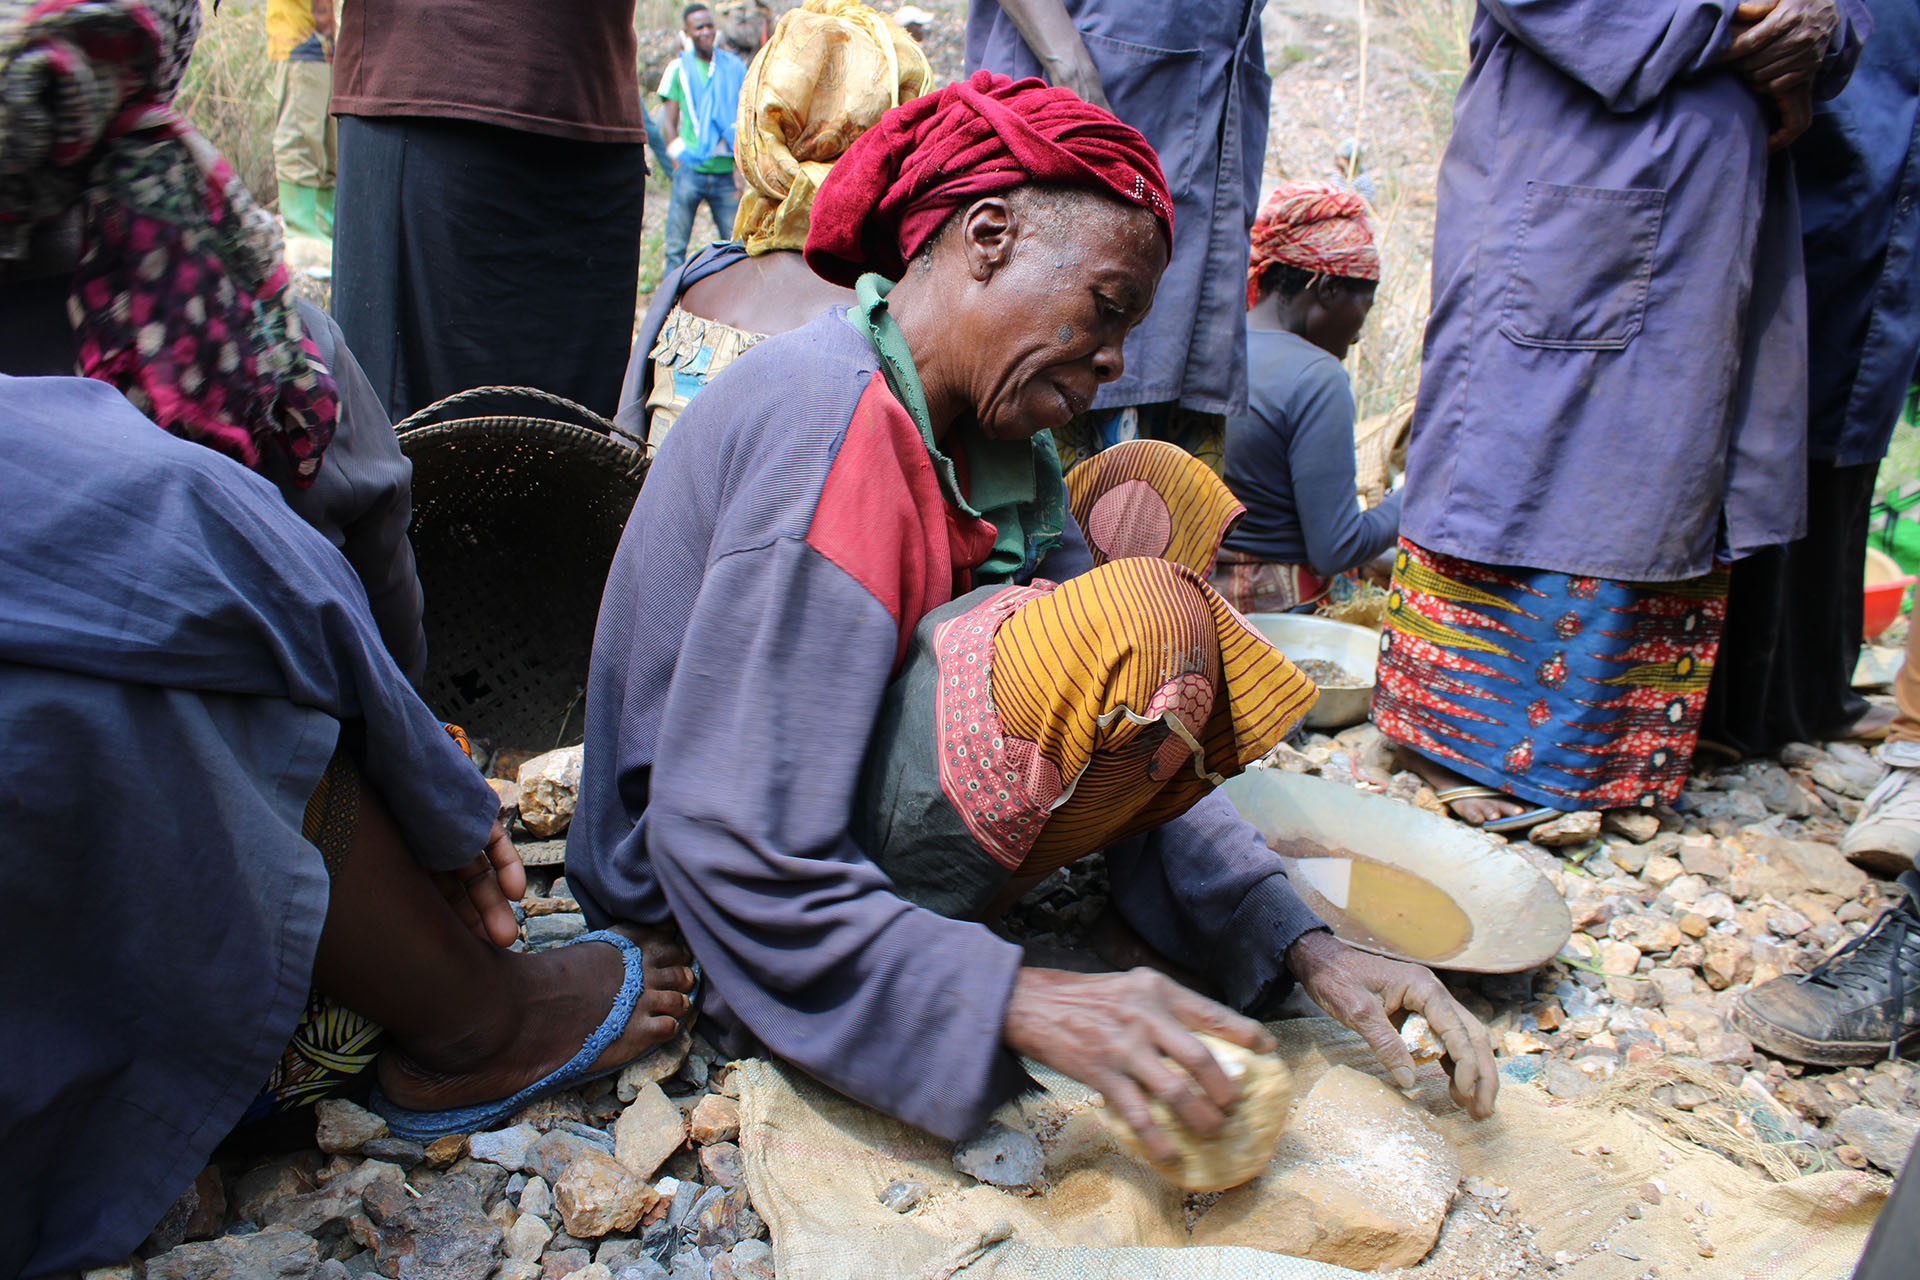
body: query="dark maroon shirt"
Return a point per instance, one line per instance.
(567, 69)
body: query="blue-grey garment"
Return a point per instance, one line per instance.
(179, 653)
(1193, 79)
(1290, 459)
(1858, 169)
(1614, 380)
(362, 499)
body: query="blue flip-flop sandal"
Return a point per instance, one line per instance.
(425, 1126)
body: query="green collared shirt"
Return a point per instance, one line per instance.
(1015, 484)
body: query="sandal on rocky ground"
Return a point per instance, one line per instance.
(1526, 820)
(1860, 1004)
(425, 1126)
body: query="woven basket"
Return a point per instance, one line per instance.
(515, 522)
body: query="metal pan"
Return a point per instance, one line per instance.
(1302, 635)
(1516, 919)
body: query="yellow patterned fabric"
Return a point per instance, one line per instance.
(1128, 693)
(830, 71)
(1151, 498)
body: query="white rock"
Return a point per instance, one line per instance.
(527, 1237)
(549, 785)
(536, 1198)
(648, 1131)
(344, 1128)
(1361, 1180)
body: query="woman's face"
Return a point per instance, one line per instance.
(1080, 277)
(1339, 313)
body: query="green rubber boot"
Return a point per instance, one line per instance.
(323, 205)
(300, 210)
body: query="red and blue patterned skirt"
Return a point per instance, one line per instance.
(1560, 690)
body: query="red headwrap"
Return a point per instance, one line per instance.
(901, 179)
(1316, 226)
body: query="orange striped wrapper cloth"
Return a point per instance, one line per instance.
(1152, 498)
(1072, 716)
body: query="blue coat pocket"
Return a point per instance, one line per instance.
(1578, 271)
(1158, 92)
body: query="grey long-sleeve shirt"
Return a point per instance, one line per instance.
(1290, 459)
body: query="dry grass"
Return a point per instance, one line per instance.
(1431, 38)
(1385, 364)
(1434, 34)
(228, 92)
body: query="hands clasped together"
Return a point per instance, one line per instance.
(1131, 1035)
(1777, 49)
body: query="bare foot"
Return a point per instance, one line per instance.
(1478, 810)
(561, 996)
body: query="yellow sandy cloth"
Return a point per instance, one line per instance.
(1125, 695)
(830, 71)
(1152, 498)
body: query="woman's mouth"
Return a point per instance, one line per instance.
(1075, 403)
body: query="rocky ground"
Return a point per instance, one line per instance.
(1676, 911)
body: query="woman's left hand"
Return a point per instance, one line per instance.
(483, 891)
(1366, 991)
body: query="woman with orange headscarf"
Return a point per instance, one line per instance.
(1310, 282)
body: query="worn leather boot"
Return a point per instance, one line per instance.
(1860, 1004)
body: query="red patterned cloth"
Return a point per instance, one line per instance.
(1317, 226)
(900, 180)
(1570, 692)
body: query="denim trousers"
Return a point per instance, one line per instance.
(689, 189)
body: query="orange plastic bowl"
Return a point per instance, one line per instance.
(1885, 587)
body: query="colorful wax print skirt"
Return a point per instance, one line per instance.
(1566, 691)
(690, 353)
(1253, 585)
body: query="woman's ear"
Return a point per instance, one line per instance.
(987, 232)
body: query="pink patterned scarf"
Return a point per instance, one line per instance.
(181, 297)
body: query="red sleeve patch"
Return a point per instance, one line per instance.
(881, 516)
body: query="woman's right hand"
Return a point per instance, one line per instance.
(1130, 1035)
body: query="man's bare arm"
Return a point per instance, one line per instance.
(1063, 56)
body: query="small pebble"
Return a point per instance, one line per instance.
(902, 1196)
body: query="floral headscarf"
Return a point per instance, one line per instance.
(1319, 227)
(181, 298)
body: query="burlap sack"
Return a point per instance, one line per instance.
(816, 1163)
